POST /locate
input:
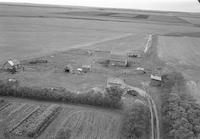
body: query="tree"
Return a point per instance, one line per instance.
(136, 122)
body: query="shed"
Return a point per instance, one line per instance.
(135, 54)
(115, 82)
(86, 68)
(69, 69)
(141, 70)
(156, 77)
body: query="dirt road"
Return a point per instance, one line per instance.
(155, 125)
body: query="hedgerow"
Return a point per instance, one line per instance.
(110, 98)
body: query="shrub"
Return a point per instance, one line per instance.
(104, 62)
(38, 61)
(63, 134)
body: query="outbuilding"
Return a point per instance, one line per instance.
(117, 82)
(134, 54)
(156, 79)
(118, 60)
(12, 65)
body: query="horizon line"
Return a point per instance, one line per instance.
(30, 4)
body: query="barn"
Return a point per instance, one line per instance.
(118, 60)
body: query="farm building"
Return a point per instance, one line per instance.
(115, 82)
(69, 69)
(118, 60)
(12, 65)
(84, 69)
(156, 79)
(135, 54)
(140, 70)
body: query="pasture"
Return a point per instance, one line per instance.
(32, 31)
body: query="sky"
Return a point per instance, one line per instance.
(169, 5)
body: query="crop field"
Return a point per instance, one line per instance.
(179, 50)
(9, 108)
(27, 120)
(31, 120)
(32, 126)
(90, 125)
(194, 20)
(169, 19)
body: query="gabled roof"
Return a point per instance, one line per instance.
(13, 62)
(156, 77)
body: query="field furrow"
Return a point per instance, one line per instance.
(5, 112)
(25, 125)
(42, 120)
(22, 114)
(37, 121)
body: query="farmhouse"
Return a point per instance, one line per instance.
(12, 65)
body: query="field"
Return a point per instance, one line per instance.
(79, 36)
(90, 125)
(181, 52)
(29, 119)
(34, 31)
(185, 50)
